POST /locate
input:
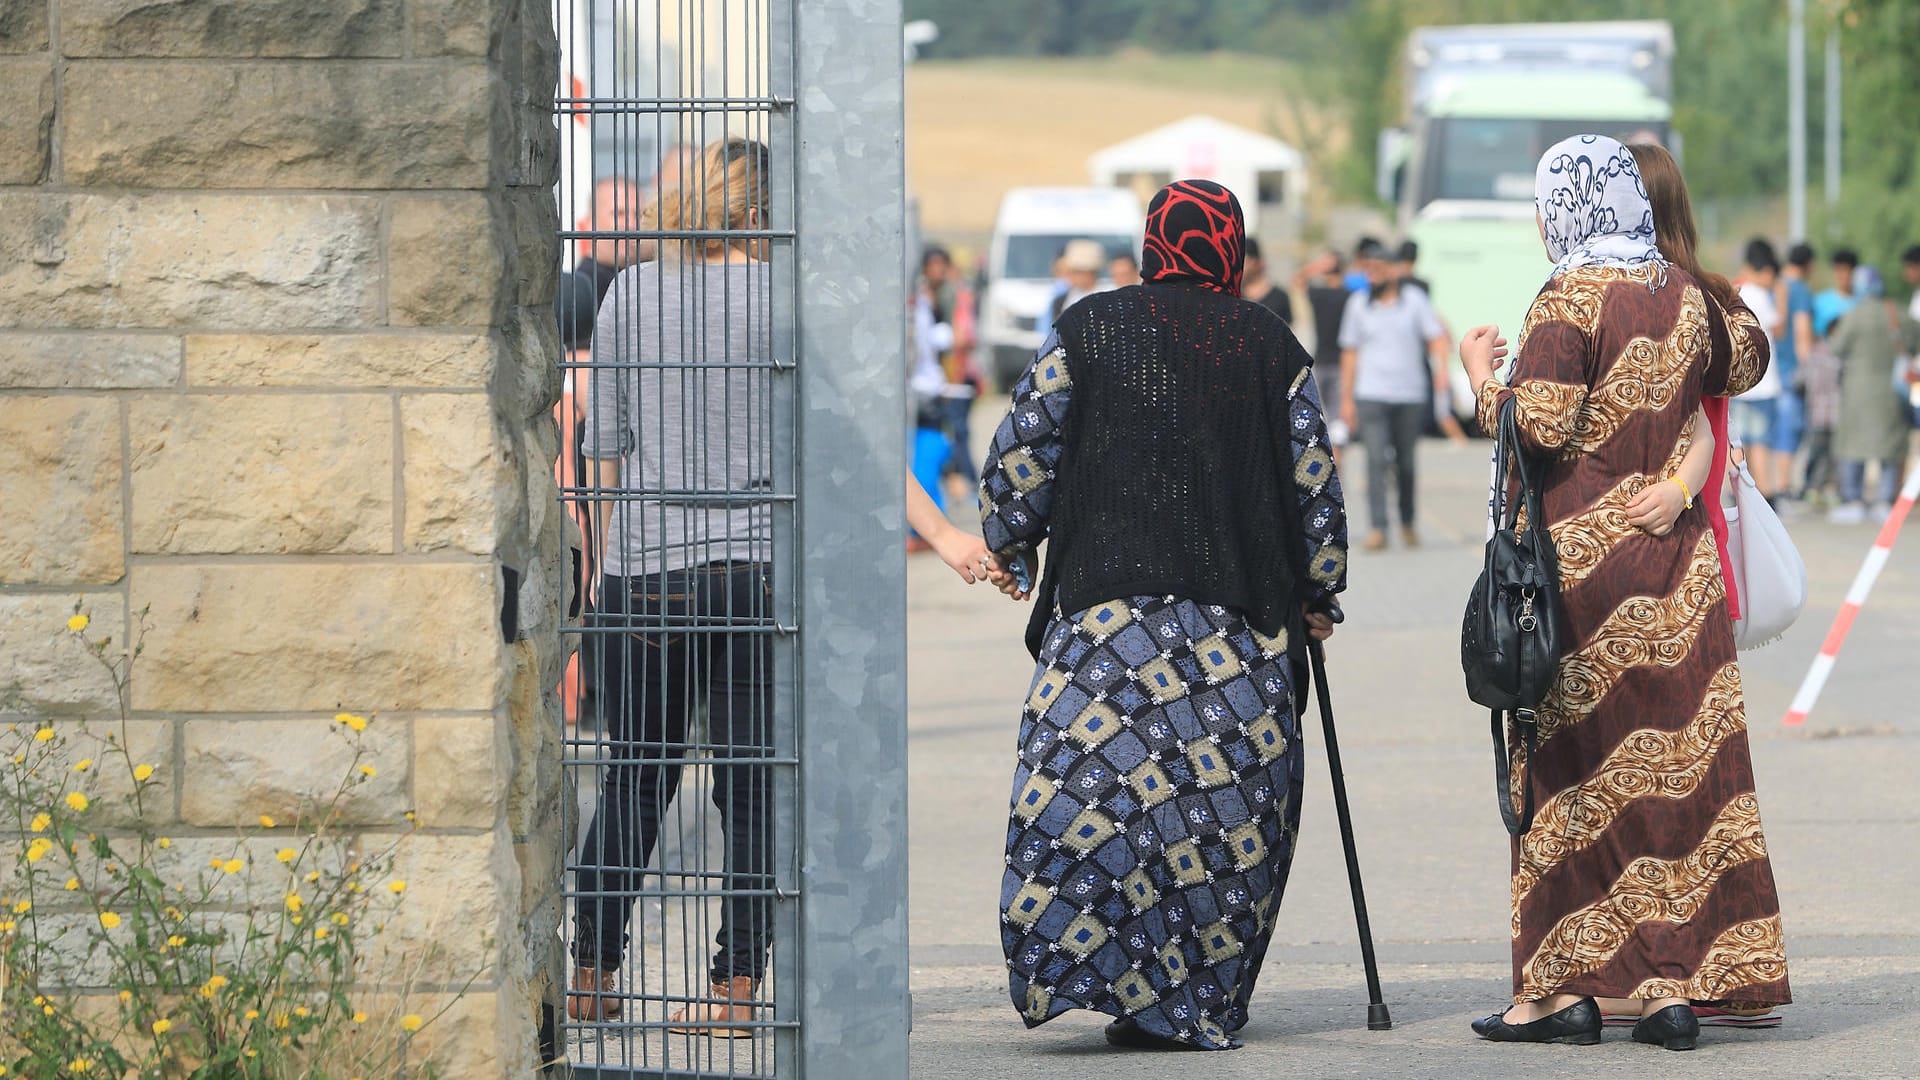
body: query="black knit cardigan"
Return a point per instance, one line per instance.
(1177, 474)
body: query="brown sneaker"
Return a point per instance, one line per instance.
(1376, 540)
(590, 998)
(711, 1018)
(1409, 536)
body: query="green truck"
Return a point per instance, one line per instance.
(1482, 104)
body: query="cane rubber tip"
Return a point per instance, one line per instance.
(1378, 1019)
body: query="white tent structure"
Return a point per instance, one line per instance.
(1267, 175)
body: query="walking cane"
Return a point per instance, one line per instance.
(1378, 1019)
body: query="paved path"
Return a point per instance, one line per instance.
(1841, 804)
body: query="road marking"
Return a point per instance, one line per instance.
(1876, 560)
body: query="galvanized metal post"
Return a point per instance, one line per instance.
(851, 314)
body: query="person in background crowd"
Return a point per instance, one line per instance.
(1820, 389)
(1393, 357)
(933, 345)
(1910, 270)
(1357, 279)
(615, 208)
(1263, 290)
(1874, 419)
(683, 348)
(1834, 301)
(1752, 419)
(1167, 446)
(1322, 280)
(1404, 260)
(1440, 396)
(1124, 269)
(1795, 297)
(944, 290)
(1062, 285)
(1081, 263)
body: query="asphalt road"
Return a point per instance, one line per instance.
(1839, 798)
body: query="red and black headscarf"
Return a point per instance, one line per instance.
(1195, 234)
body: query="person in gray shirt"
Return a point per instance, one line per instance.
(678, 443)
(1386, 336)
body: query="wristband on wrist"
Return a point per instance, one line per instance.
(1684, 489)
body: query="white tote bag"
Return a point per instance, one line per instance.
(1767, 568)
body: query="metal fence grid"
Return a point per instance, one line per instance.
(687, 423)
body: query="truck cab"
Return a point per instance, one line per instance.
(1034, 225)
(1484, 102)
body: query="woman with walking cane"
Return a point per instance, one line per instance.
(1168, 444)
(1644, 874)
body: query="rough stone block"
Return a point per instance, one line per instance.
(26, 124)
(375, 636)
(455, 905)
(262, 474)
(236, 28)
(108, 781)
(449, 361)
(237, 770)
(454, 27)
(42, 360)
(472, 1036)
(46, 668)
(444, 263)
(23, 26)
(60, 466)
(171, 260)
(294, 124)
(460, 767)
(533, 227)
(456, 476)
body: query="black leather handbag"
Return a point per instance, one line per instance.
(1511, 640)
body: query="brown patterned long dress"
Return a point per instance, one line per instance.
(1645, 874)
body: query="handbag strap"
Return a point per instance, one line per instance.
(1517, 825)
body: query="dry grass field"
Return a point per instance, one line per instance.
(976, 128)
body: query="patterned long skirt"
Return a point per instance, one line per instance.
(1155, 810)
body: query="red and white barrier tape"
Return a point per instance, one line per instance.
(1856, 596)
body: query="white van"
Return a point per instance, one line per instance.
(1034, 226)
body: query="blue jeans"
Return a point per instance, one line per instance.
(661, 657)
(1853, 480)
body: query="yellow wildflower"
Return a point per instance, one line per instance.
(109, 920)
(73, 883)
(126, 995)
(232, 866)
(161, 1027)
(266, 821)
(83, 764)
(282, 1021)
(297, 919)
(45, 734)
(320, 933)
(176, 940)
(81, 1064)
(78, 623)
(252, 1053)
(38, 849)
(301, 1011)
(294, 902)
(252, 1014)
(212, 986)
(23, 907)
(359, 1018)
(312, 876)
(285, 854)
(163, 843)
(412, 1022)
(77, 801)
(369, 771)
(397, 887)
(6, 926)
(339, 918)
(40, 823)
(19, 759)
(142, 773)
(355, 723)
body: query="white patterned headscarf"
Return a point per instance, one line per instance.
(1594, 207)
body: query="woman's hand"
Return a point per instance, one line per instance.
(1656, 510)
(1319, 625)
(1482, 352)
(1004, 579)
(966, 553)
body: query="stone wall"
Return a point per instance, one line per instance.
(276, 378)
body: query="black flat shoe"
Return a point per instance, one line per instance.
(1129, 1035)
(1674, 1027)
(1576, 1025)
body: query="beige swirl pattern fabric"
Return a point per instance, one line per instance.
(1645, 873)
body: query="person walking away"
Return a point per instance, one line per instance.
(1795, 343)
(1393, 355)
(1261, 289)
(1124, 270)
(1168, 445)
(1836, 299)
(1874, 418)
(1754, 411)
(680, 399)
(1660, 892)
